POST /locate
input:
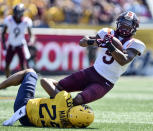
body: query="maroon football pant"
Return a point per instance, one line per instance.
(11, 51)
(92, 85)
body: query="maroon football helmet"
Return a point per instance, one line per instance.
(127, 24)
(18, 11)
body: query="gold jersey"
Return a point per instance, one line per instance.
(50, 112)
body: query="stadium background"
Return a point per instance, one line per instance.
(58, 25)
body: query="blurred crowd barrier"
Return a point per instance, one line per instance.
(48, 13)
(58, 52)
(142, 65)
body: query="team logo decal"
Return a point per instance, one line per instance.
(129, 16)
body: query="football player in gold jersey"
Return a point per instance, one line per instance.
(56, 111)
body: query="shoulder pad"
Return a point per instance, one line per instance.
(105, 31)
(138, 45)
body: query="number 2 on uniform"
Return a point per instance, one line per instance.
(52, 117)
(46, 108)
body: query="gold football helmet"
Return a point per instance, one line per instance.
(81, 116)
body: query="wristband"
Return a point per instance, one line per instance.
(90, 42)
(110, 47)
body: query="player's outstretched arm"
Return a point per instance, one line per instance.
(49, 86)
(87, 41)
(15, 79)
(124, 58)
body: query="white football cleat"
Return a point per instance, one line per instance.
(8, 123)
(16, 116)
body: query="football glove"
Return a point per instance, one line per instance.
(108, 38)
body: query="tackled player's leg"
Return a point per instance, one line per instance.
(14, 79)
(27, 78)
(26, 92)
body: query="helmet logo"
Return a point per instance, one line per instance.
(129, 16)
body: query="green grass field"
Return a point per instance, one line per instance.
(127, 107)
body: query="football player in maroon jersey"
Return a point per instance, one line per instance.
(118, 49)
(16, 26)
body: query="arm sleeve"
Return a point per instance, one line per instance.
(29, 22)
(6, 21)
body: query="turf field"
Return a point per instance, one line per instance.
(127, 107)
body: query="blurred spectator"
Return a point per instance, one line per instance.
(46, 13)
(102, 12)
(55, 14)
(86, 12)
(138, 7)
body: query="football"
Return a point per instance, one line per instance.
(117, 44)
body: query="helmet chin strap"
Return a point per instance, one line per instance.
(120, 34)
(121, 31)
